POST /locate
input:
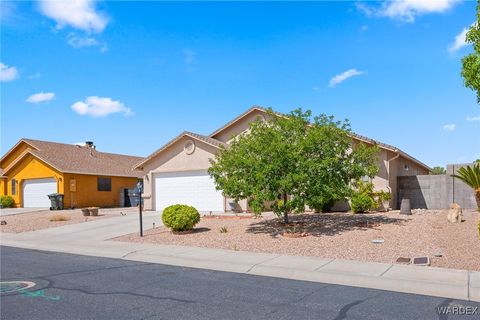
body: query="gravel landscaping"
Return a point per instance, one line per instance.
(340, 236)
(41, 219)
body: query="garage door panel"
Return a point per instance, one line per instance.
(194, 188)
(36, 191)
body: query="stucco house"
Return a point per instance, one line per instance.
(32, 169)
(177, 172)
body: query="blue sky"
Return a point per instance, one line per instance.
(132, 75)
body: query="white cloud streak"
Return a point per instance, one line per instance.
(7, 73)
(449, 127)
(41, 97)
(78, 14)
(406, 10)
(344, 76)
(100, 107)
(459, 41)
(81, 42)
(473, 119)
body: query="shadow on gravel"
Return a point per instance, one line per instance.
(322, 224)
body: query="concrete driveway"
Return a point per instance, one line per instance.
(12, 211)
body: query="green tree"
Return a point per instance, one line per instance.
(438, 170)
(292, 161)
(471, 176)
(471, 63)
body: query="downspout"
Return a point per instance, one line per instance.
(388, 172)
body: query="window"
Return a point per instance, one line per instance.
(104, 184)
(14, 187)
(406, 167)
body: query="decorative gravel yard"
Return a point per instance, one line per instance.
(340, 236)
(42, 219)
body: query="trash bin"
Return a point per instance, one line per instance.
(56, 200)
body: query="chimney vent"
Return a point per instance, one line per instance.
(89, 144)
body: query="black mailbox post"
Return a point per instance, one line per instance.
(139, 192)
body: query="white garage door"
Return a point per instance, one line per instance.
(36, 191)
(194, 188)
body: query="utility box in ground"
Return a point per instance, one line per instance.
(56, 200)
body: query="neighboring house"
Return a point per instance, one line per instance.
(177, 172)
(32, 169)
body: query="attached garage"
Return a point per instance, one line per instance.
(36, 191)
(194, 188)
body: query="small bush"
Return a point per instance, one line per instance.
(223, 229)
(363, 200)
(180, 217)
(7, 201)
(59, 217)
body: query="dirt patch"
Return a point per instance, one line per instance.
(340, 236)
(42, 219)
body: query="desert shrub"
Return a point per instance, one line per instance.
(180, 217)
(7, 201)
(59, 217)
(380, 197)
(362, 199)
(223, 229)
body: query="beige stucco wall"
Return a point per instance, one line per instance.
(239, 127)
(175, 159)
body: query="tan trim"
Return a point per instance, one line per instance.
(103, 174)
(353, 136)
(240, 117)
(174, 140)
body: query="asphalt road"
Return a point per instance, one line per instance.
(81, 287)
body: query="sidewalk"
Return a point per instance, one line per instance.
(92, 239)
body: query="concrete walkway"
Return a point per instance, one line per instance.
(92, 238)
(13, 211)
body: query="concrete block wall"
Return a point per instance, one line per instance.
(436, 191)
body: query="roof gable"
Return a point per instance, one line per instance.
(233, 128)
(208, 140)
(226, 132)
(78, 159)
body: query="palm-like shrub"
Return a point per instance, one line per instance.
(471, 176)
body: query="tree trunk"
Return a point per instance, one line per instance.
(285, 209)
(477, 197)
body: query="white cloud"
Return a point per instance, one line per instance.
(406, 10)
(81, 42)
(100, 107)
(41, 97)
(449, 127)
(79, 14)
(459, 41)
(189, 56)
(7, 73)
(344, 76)
(474, 118)
(34, 76)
